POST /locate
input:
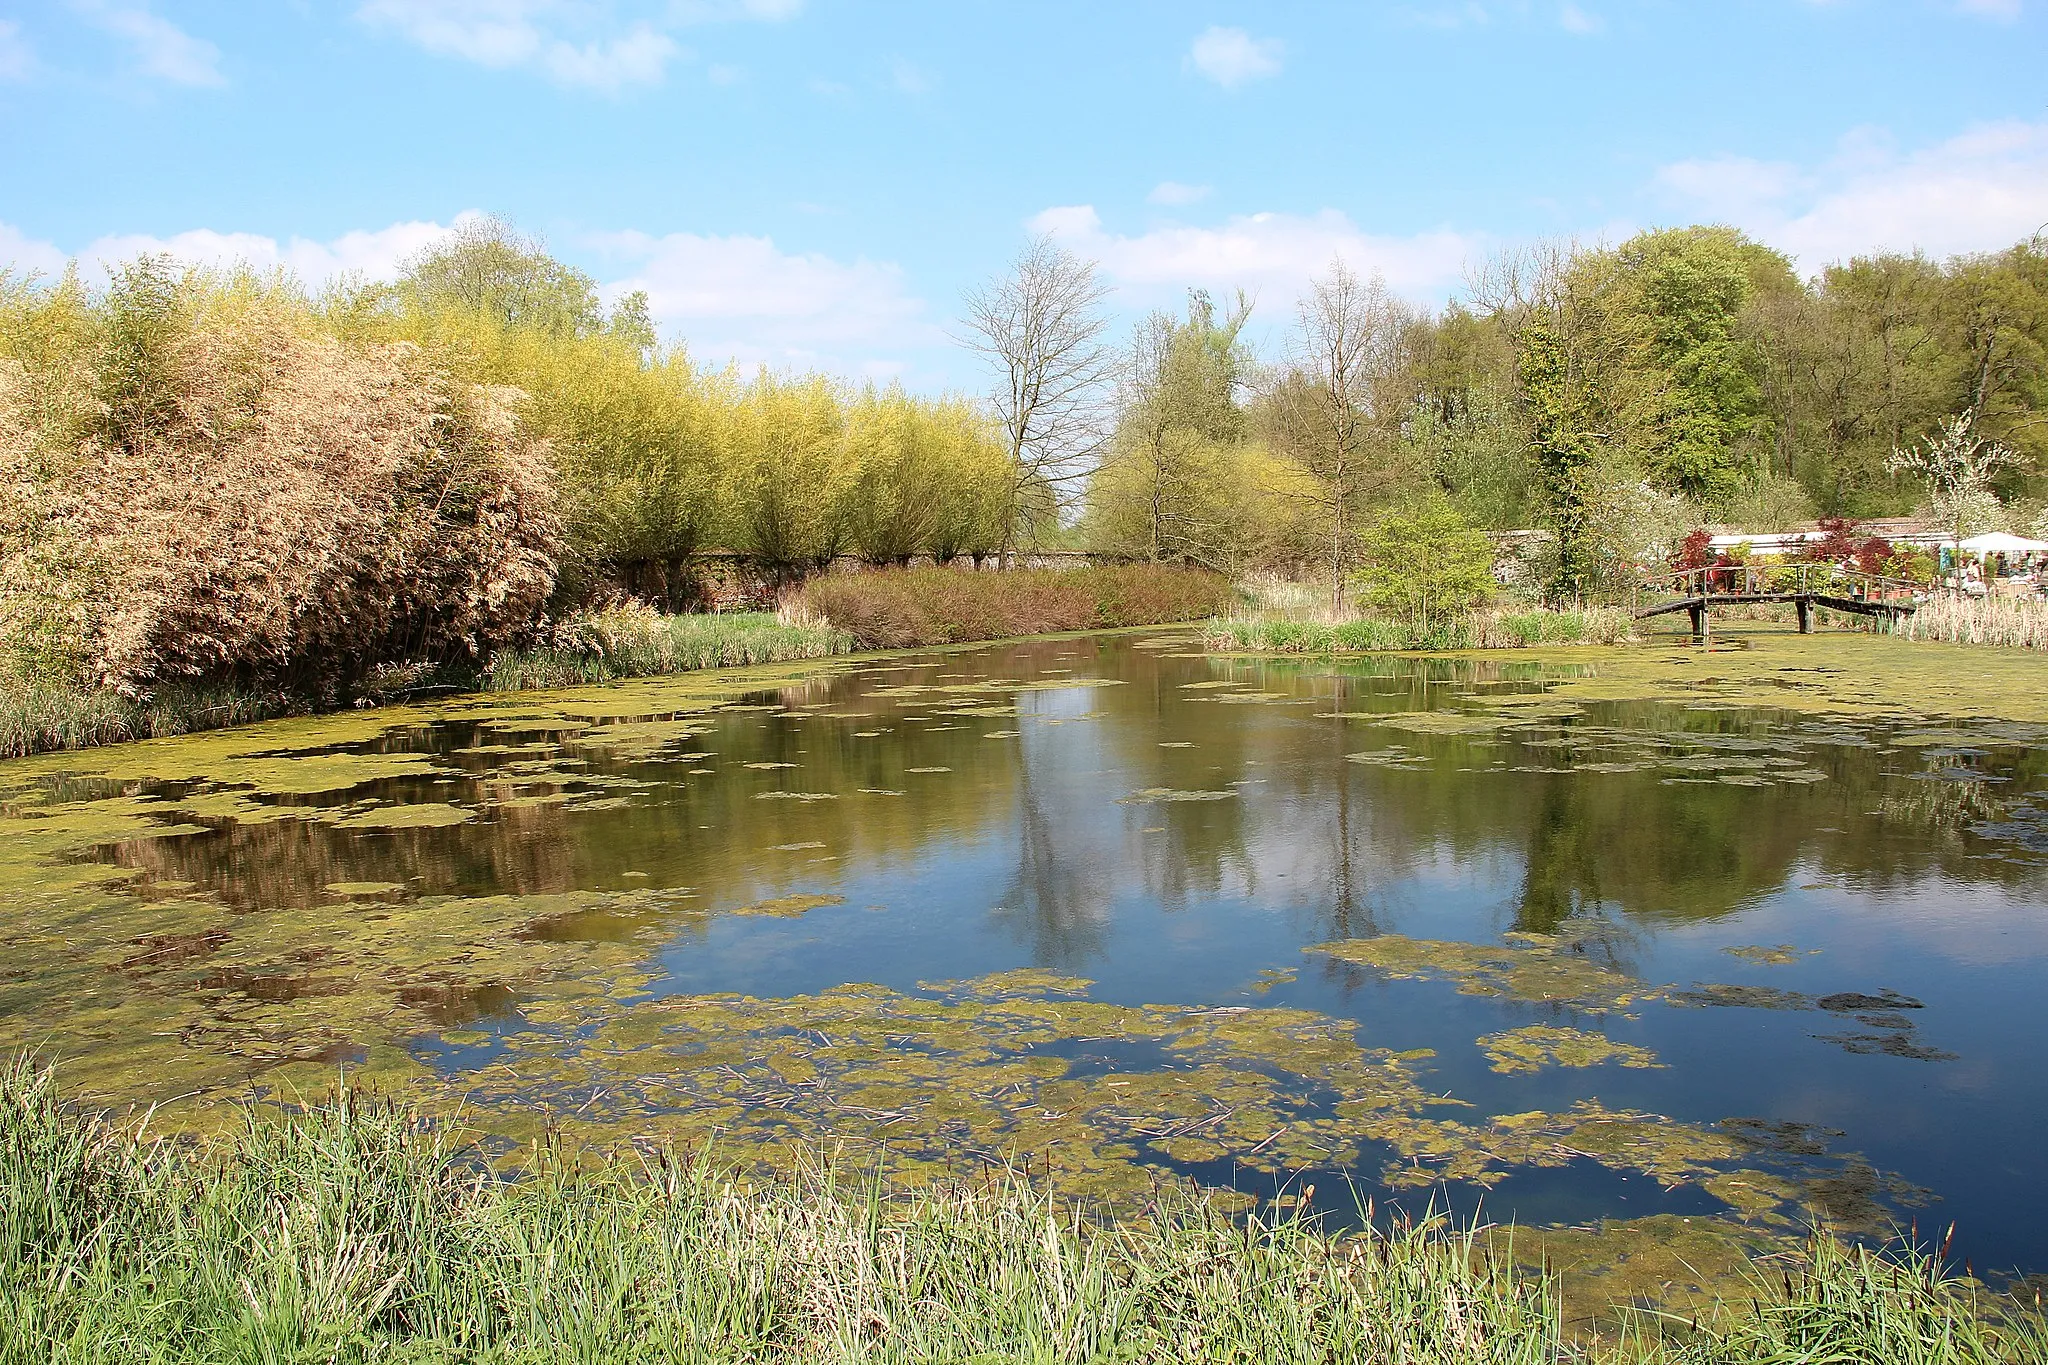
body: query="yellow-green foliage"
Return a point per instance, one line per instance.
(928, 477)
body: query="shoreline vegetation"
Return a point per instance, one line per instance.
(1491, 629)
(825, 617)
(1277, 616)
(350, 1230)
(839, 614)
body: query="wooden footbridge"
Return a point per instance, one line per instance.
(1806, 586)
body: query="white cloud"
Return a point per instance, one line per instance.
(725, 11)
(1984, 189)
(1173, 194)
(552, 36)
(22, 255)
(734, 297)
(908, 78)
(744, 298)
(1271, 253)
(640, 57)
(1733, 185)
(1991, 9)
(375, 255)
(1230, 56)
(16, 58)
(1575, 20)
(161, 48)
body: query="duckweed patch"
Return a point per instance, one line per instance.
(1776, 955)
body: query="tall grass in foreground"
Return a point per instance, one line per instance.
(1492, 629)
(352, 1232)
(2016, 621)
(639, 642)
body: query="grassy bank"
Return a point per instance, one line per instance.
(635, 642)
(904, 608)
(38, 717)
(1271, 634)
(638, 642)
(352, 1232)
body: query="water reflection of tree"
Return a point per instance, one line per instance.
(1058, 900)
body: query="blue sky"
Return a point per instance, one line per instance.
(814, 182)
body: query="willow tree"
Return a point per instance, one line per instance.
(788, 471)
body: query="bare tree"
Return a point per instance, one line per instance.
(1327, 402)
(1040, 327)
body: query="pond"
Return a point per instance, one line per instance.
(1564, 938)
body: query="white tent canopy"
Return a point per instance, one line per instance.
(1999, 543)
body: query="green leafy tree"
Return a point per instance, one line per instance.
(1694, 397)
(487, 267)
(1165, 491)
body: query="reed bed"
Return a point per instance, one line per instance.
(350, 1231)
(2019, 622)
(638, 642)
(1494, 629)
(37, 716)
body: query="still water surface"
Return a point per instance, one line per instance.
(1115, 909)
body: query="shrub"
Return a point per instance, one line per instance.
(1426, 567)
(203, 491)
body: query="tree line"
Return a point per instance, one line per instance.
(207, 473)
(1615, 396)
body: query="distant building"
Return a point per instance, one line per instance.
(1897, 530)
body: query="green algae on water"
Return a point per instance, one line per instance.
(1531, 1049)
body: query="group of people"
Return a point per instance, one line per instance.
(1997, 573)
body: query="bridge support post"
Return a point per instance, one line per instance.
(1805, 605)
(1698, 612)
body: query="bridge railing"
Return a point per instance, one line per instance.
(1784, 580)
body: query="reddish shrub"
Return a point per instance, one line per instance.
(902, 608)
(1872, 554)
(1837, 544)
(1696, 551)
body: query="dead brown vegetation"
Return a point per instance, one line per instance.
(197, 487)
(903, 608)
